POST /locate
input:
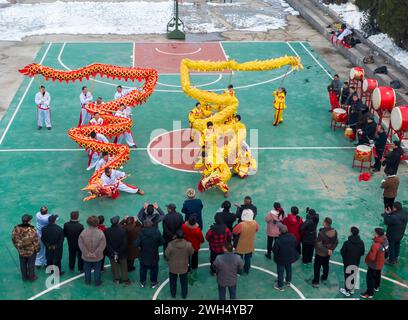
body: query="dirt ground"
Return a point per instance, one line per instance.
(14, 55)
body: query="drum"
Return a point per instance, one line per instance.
(349, 134)
(357, 73)
(399, 118)
(363, 153)
(384, 98)
(369, 85)
(339, 115)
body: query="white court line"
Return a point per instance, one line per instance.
(175, 148)
(317, 61)
(206, 249)
(200, 85)
(290, 46)
(22, 98)
(178, 54)
(165, 282)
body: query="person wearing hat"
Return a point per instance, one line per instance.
(246, 230)
(117, 251)
(172, 222)
(178, 254)
(53, 239)
(375, 262)
(72, 230)
(193, 206)
(42, 220)
(27, 243)
(284, 254)
(92, 243)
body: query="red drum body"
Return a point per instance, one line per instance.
(399, 118)
(369, 85)
(384, 98)
(339, 115)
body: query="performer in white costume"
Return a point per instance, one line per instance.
(125, 112)
(93, 155)
(43, 100)
(112, 177)
(96, 120)
(103, 160)
(120, 92)
(85, 97)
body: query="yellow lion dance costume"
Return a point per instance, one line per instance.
(216, 172)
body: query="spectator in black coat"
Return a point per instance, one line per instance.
(116, 250)
(72, 230)
(351, 251)
(149, 241)
(171, 223)
(380, 140)
(151, 213)
(284, 254)
(246, 206)
(393, 158)
(226, 215)
(308, 234)
(368, 131)
(53, 239)
(396, 221)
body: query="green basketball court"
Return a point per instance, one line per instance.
(301, 162)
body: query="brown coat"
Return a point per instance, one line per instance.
(133, 232)
(246, 231)
(390, 185)
(177, 255)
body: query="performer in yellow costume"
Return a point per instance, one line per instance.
(244, 164)
(198, 112)
(279, 105)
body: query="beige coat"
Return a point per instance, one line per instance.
(246, 231)
(390, 185)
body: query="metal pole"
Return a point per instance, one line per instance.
(177, 12)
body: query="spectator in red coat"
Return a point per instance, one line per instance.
(217, 236)
(293, 222)
(375, 262)
(194, 235)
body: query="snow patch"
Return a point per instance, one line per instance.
(386, 43)
(349, 13)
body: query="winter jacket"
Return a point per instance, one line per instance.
(308, 229)
(228, 218)
(171, 223)
(193, 234)
(193, 207)
(217, 236)
(116, 242)
(273, 220)
(132, 232)
(352, 251)
(72, 230)
(25, 239)
(246, 231)
(92, 243)
(376, 256)
(243, 207)
(284, 249)
(380, 142)
(368, 133)
(326, 240)
(390, 185)
(396, 224)
(227, 266)
(392, 161)
(149, 242)
(53, 239)
(293, 223)
(336, 84)
(155, 218)
(177, 255)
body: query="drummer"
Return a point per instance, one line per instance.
(354, 112)
(368, 131)
(380, 141)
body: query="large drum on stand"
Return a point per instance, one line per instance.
(384, 98)
(399, 118)
(369, 85)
